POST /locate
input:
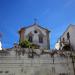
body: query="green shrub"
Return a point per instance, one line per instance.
(27, 44)
(24, 44)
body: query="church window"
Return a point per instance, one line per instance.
(40, 39)
(35, 31)
(30, 39)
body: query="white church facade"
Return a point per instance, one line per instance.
(36, 35)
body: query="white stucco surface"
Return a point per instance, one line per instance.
(71, 30)
(35, 35)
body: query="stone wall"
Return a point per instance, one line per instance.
(41, 64)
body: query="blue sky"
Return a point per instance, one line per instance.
(55, 15)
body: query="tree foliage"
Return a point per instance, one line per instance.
(27, 44)
(24, 44)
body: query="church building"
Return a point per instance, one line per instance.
(36, 35)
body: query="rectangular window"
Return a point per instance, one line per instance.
(68, 35)
(40, 39)
(30, 39)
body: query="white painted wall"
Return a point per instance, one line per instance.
(71, 30)
(35, 37)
